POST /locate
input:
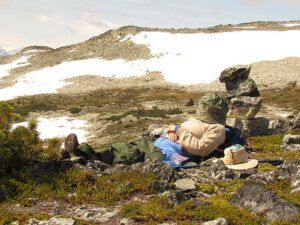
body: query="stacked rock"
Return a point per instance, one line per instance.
(243, 98)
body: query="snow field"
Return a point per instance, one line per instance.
(182, 58)
(5, 68)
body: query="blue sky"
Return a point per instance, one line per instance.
(61, 22)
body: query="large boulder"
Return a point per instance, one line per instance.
(238, 83)
(245, 87)
(244, 107)
(254, 127)
(263, 201)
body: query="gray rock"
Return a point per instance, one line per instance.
(296, 190)
(125, 221)
(279, 126)
(242, 88)
(244, 107)
(253, 127)
(256, 127)
(219, 221)
(105, 217)
(52, 221)
(238, 72)
(291, 142)
(185, 184)
(261, 200)
(164, 172)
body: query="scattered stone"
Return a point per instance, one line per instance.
(291, 142)
(297, 190)
(79, 160)
(15, 223)
(104, 217)
(185, 184)
(219, 221)
(52, 221)
(125, 221)
(261, 200)
(244, 107)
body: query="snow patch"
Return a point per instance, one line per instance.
(249, 27)
(59, 127)
(290, 24)
(34, 51)
(5, 68)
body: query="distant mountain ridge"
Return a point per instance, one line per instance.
(132, 51)
(3, 52)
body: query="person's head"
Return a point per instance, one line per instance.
(212, 108)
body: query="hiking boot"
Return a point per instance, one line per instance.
(65, 154)
(71, 143)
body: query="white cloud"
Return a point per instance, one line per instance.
(10, 41)
(88, 25)
(84, 27)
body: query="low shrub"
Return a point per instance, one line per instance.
(75, 110)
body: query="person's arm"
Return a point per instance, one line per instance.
(172, 132)
(211, 139)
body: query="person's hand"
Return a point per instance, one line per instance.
(171, 133)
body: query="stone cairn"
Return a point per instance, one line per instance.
(244, 101)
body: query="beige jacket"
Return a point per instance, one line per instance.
(200, 138)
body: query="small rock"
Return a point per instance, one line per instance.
(52, 221)
(125, 221)
(15, 223)
(297, 190)
(103, 218)
(185, 184)
(291, 142)
(219, 221)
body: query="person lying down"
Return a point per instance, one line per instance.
(176, 145)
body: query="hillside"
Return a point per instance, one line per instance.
(121, 85)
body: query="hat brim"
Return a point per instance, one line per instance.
(252, 163)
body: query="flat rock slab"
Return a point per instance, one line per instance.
(261, 200)
(185, 184)
(52, 221)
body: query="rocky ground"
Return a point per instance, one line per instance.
(78, 191)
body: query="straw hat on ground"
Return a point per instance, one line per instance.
(236, 158)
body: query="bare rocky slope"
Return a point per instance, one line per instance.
(111, 45)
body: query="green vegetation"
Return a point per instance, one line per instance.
(288, 98)
(283, 189)
(21, 146)
(75, 110)
(25, 109)
(8, 216)
(159, 209)
(85, 186)
(269, 147)
(154, 112)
